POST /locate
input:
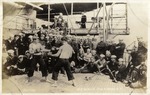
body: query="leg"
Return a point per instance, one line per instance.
(31, 68)
(43, 67)
(68, 69)
(70, 76)
(111, 74)
(56, 70)
(62, 70)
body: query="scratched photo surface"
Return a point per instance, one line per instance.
(74, 47)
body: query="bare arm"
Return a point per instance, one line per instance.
(58, 53)
(31, 49)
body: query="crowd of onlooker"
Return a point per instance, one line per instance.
(90, 56)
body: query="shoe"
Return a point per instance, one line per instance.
(126, 85)
(125, 81)
(86, 78)
(115, 81)
(99, 73)
(64, 75)
(54, 85)
(29, 79)
(90, 78)
(47, 80)
(73, 85)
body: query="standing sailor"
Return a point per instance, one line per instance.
(65, 53)
(83, 20)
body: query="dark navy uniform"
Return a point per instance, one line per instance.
(120, 50)
(83, 21)
(101, 48)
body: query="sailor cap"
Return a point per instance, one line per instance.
(113, 56)
(10, 51)
(102, 55)
(120, 59)
(20, 56)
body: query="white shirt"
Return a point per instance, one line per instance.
(87, 57)
(66, 51)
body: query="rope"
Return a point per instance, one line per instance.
(16, 86)
(131, 44)
(96, 17)
(109, 15)
(68, 16)
(14, 17)
(136, 15)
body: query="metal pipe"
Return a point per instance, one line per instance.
(71, 9)
(126, 18)
(48, 12)
(48, 16)
(104, 33)
(97, 18)
(33, 5)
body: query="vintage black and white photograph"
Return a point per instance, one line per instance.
(74, 47)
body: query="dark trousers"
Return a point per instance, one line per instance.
(62, 63)
(38, 59)
(14, 71)
(119, 56)
(83, 25)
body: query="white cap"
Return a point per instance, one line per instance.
(88, 35)
(27, 52)
(20, 34)
(102, 55)
(108, 52)
(61, 14)
(20, 56)
(10, 51)
(30, 36)
(120, 59)
(93, 50)
(113, 56)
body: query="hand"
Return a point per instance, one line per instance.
(14, 66)
(23, 70)
(142, 63)
(116, 72)
(94, 63)
(100, 66)
(50, 53)
(8, 68)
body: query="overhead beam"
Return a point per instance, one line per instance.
(49, 15)
(104, 28)
(34, 6)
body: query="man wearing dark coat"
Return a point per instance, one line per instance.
(120, 49)
(101, 48)
(83, 21)
(8, 43)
